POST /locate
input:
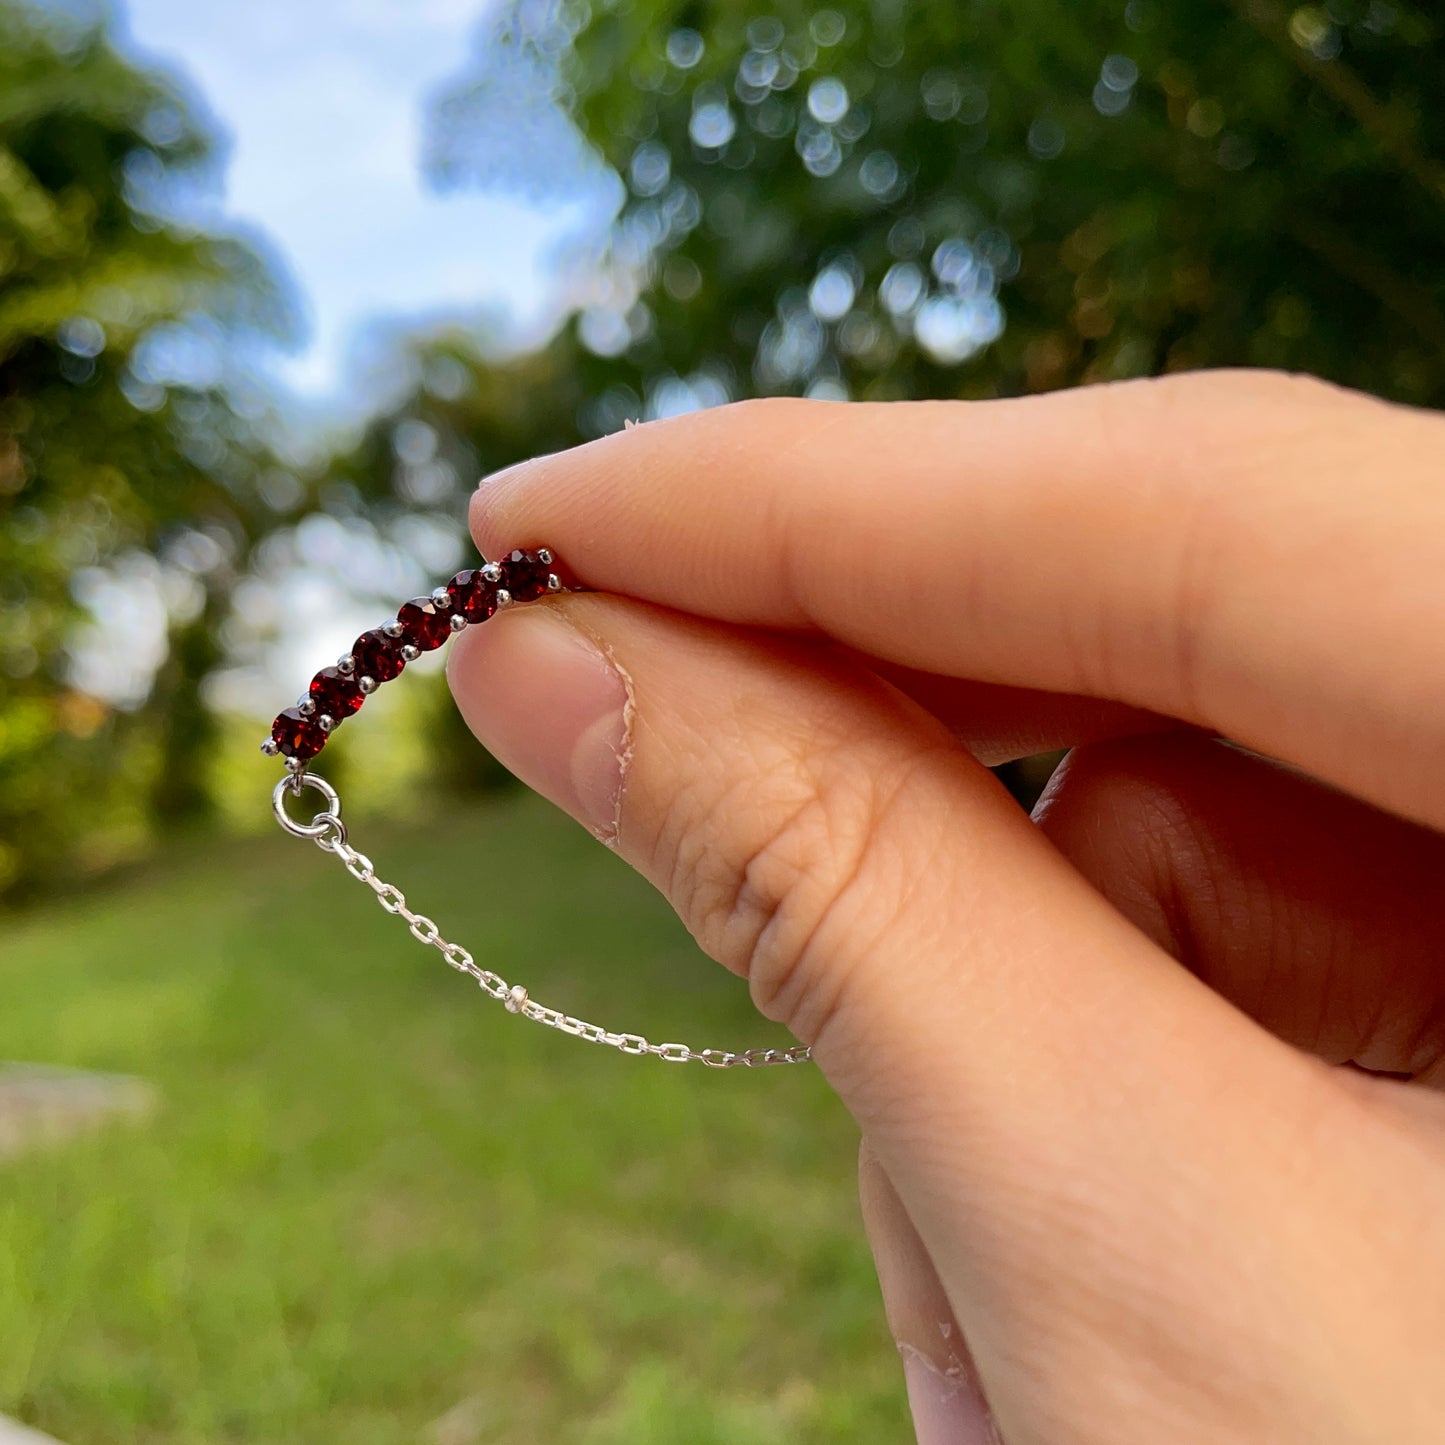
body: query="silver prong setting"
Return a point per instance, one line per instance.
(295, 765)
(367, 685)
(456, 622)
(271, 748)
(492, 572)
(544, 556)
(504, 598)
(442, 598)
(305, 706)
(554, 582)
(326, 722)
(392, 627)
(410, 653)
(346, 664)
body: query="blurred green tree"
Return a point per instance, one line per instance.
(874, 199)
(869, 199)
(118, 444)
(878, 199)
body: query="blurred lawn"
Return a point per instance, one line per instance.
(372, 1200)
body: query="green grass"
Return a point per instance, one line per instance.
(371, 1199)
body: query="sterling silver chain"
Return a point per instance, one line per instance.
(328, 832)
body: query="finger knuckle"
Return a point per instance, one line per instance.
(800, 875)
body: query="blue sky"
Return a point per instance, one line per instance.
(323, 103)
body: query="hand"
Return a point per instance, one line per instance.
(1110, 1153)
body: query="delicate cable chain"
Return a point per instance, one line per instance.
(328, 832)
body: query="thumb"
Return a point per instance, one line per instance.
(1100, 1156)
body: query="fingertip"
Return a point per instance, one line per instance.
(493, 506)
(945, 1394)
(593, 500)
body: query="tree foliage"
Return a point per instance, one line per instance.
(884, 200)
(888, 200)
(873, 200)
(107, 452)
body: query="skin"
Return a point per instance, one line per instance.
(1149, 1084)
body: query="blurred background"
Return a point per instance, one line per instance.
(277, 284)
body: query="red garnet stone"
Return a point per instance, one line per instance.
(422, 625)
(524, 575)
(335, 694)
(473, 597)
(297, 736)
(377, 656)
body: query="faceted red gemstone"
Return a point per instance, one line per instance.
(335, 694)
(297, 736)
(524, 575)
(377, 656)
(423, 625)
(472, 595)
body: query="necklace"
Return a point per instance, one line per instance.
(300, 733)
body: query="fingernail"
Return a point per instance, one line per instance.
(946, 1409)
(546, 702)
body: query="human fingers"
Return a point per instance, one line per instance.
(1000, 724)
(1103, 1159)
(1257, 555)
(945, 1395)
(1306, 908)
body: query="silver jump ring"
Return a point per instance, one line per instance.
(323, 822)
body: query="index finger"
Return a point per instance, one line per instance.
(1251, 553)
